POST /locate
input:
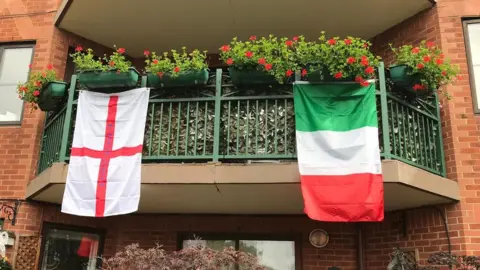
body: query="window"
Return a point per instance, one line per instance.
(14, 62)
(275, 253)
(70, 248)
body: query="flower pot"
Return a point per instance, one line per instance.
(106, 81)
(184, 79)
(250, 76)
(52, 94)
(401, 76)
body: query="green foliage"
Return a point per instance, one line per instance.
(86, 60)
(429, 63)
(30, 90)
(281, 57)
(175, 63)
(4, 264)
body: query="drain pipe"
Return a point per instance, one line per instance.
(445, 224)
(361, 263)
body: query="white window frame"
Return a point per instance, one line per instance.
(16, 46)
(471, 71)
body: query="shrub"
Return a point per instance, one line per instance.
(86, 60)
(176, 63)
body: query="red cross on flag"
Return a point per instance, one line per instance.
(104, 172)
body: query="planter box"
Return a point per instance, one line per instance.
(52, 95)
(404, 81)
(249, 77)
(184, 79)
(104, 81)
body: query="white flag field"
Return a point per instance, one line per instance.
(105, 163)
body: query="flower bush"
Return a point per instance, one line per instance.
(86, 60)
(282, 57)
(176, 63)
(5, 264)
(191, 258)
(30, 90)
(429, 63)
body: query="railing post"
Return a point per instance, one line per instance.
(384, 112)
(144, 82)
(218, 101)
(439, 141)
(68, 119)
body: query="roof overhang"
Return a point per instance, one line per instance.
(250, 188)
(206, 25)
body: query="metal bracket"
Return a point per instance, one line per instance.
(10, 211)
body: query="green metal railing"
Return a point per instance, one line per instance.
(222, 123)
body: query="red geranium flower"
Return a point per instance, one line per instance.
(146, 52)
(418, 87)
(348, 41)
(332, 41)
(176, 69)
(364, 61)
(36, 93)
(365, 45)
(155, 61)
(351, 60)
(118, 71)
(160, 74)
(364, 83)
(304, 72)
(358, 78)
(289, 73)
(369, 70)
(430, 44)
(49, 66)
(444, 73)
(459, 77)
(225, 48)
(420, 66)
(338, 75)
(426, 59)
(38, 83)
(289, 43)
(249, 54)
(295, 38)
(111, 63)
(439, 61)
(229, 61)
(415, 50)
(262, 61)
(121, 50)
(78, 49)
(252, 38)
(268, 67)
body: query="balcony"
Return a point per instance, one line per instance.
(232, 145)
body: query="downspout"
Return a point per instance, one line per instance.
(445, 224)
(361, 262)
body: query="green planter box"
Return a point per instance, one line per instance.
(52, 95)
(404, 81)
(106, 81)
(249, 77)
(184, 79)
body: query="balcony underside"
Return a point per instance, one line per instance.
(164, 25)
(249, 189)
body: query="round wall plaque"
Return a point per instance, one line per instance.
(318, 238)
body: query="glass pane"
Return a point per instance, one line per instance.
(213, 244)
(10, 105)
(66, 250)
(274, 255)
(14, 65)
(476, 76)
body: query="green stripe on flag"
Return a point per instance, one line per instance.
(335, 107)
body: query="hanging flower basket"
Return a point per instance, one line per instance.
(98, 79)
(250, 77)
(184, 79)
(52, 95)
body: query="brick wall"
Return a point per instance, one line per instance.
(150, 229)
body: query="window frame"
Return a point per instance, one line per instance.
(238, 236)
(65, 227)
(471, 72)
(4, 46)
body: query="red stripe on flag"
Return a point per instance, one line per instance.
(105, 161)
(88, 152)
(343, 198)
